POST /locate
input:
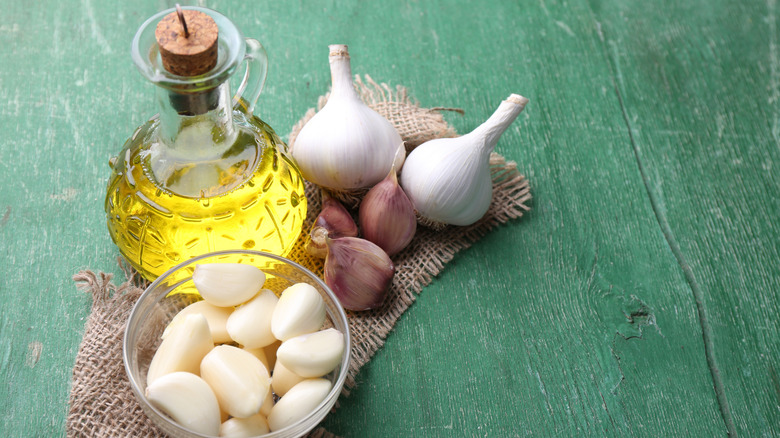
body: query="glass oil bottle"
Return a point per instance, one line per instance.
(204, 174)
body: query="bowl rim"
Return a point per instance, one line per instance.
(148, 292)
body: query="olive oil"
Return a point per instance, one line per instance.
(165, 205)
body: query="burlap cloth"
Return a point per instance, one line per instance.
(101, 401)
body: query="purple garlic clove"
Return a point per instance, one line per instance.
(359, 272)
(334, 221)
(387, 216)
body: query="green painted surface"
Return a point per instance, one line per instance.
(637, 298)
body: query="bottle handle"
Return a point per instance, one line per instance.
(254, 78)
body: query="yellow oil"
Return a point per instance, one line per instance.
(251, 197)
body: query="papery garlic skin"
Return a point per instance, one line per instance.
(300, 310)
(448, 179)
(313, 354)
(387, 216)
(359, 272)
(299, 401)
(238, 379)
(253, 426)
(250, 323)
(227, 284)
(182, 349)
(346, 145)
(187, 399)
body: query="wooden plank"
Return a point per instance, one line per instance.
(702, 105)
(575, 320)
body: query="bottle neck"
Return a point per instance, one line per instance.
(201, 120)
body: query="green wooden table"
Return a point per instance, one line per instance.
(639, 297)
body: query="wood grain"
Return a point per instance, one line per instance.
(638, 296)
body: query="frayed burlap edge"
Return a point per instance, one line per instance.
(102, 403)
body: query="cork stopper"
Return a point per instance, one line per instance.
(188, 42)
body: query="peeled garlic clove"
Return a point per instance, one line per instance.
(238, 379)
(268, 404)
(244, 427)
(359, 272)
(333, 221)
(182, 349)
(270, 352)
(283, 379)
(250, 323)
(260, 354)
(187, 399)
(313, 354)
(215, 316)
(387, 216)
(300, 310)
(448, 179)
(227, 284)
(346, 145)
(299, 401)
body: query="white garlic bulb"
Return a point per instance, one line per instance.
(448, 179)
(346, 145)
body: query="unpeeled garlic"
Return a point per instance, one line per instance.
(238, 379)
(335, 221)
(216, 317)
(250, 323)
(299, 401)
(182, 348)
(387, 216)
(300, 310)
(314, 354)
(358, 271)
(244, 427)
(448, 179)
(188, 399)
(346, 145)
(227, 284)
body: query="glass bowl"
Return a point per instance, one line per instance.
(174, 290)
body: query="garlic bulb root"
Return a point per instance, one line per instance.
(448, 179)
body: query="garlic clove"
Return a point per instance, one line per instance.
(268, 404)
(387, 216)
(182, 349)
(300, 310)
(359, 272)
(283, 379)
(238, 379)
(313, 354)
(298, 402)
(270, 352)
(215, 316)
(448, 179)
(250, 323)
(333, 221)
(187, 399)
(346, 145)
(253, 426)
(227, 284)
(259, 353)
